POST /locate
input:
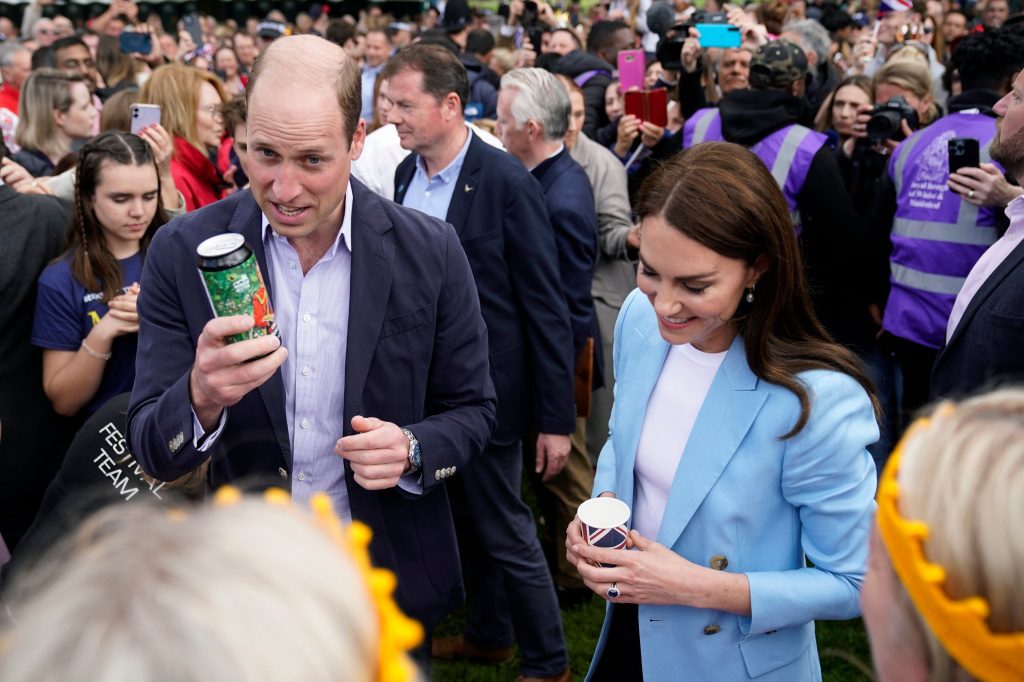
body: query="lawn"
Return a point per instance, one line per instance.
(842, 646)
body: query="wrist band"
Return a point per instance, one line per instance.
(92, 353)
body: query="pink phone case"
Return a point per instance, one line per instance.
(631, 70)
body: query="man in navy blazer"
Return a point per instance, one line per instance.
(497, 208)
(533, 116)
(983, 336)
(411, 401)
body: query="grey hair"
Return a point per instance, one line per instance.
(813, 36)
(541, 98)
(7, 52)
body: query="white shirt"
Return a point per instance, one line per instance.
(672, 411)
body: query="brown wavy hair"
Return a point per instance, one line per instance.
(722, 196)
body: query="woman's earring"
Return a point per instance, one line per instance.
(750, 295)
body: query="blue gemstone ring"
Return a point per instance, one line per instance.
(613, 592)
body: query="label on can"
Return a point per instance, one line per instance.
(240, 290)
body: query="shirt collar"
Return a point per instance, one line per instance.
(452, 170)
(1015, 209)
(345, 231)
(561, 146)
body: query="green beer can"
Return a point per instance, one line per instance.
(235, 284)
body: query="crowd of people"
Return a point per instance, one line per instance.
(714, 261)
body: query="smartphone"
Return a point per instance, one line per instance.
(136, 42)
(719, 35)
(144, 115)
(632, 66)
(963, 153)
(650, 106)
(192, 27)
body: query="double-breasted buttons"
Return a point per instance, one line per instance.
(712, 629)
(719, 562)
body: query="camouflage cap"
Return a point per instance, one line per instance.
(777, 64)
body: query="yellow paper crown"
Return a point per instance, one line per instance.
(960, 625)
(398, 633)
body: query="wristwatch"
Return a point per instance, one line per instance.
(415, 456)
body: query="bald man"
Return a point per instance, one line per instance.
(378, 388)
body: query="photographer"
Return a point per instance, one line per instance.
(592, 70)
(937, 234)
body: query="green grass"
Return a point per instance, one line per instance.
(842, 646)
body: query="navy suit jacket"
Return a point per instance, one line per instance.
(571, 209)
(498, 211)
(417, 356)
(985, 348)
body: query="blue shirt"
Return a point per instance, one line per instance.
(66, 311)
(433, 195)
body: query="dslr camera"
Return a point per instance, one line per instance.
(886, 119)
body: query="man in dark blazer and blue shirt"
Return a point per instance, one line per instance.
(533, 116)
(378, 389)
(497, 208)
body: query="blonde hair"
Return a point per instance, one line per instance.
(911, 75)
(175, 88)
(252, 592)
(43, 93)
(963, 476)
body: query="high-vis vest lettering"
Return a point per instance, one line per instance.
(936, 237)
(787, 152)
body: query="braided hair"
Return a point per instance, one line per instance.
(92, 263)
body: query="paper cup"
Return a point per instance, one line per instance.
(604, 522)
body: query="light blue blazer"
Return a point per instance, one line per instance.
(766, 505)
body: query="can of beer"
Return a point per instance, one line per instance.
(234, 284)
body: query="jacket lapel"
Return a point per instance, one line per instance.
(373, 254)
(729, 409)
(248, 221)
(1011, 263)
(465, 187)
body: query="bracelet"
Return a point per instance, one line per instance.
(92, 353)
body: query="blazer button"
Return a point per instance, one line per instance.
(282, 473)
(712, 629)
(719, 562)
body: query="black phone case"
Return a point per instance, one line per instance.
(963, 153)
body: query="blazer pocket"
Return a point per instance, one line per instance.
(404, 322)
(766, 652)
(478, 240)
(1003, 318)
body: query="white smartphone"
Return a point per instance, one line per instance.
(144, 115)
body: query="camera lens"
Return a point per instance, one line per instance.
(883, 125)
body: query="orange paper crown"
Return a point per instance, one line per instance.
(961, 625)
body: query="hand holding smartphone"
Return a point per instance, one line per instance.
(650, 106)
(963, 153)
(143, 116)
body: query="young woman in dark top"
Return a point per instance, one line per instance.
(85, 318)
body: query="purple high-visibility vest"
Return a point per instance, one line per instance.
(936, 237)
(787, 152)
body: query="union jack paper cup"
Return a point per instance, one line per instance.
(604, 523)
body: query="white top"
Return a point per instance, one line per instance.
(672, 411)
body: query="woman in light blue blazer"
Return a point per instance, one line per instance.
(738, 439)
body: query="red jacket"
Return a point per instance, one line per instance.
(195, 176)
(9, 98)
